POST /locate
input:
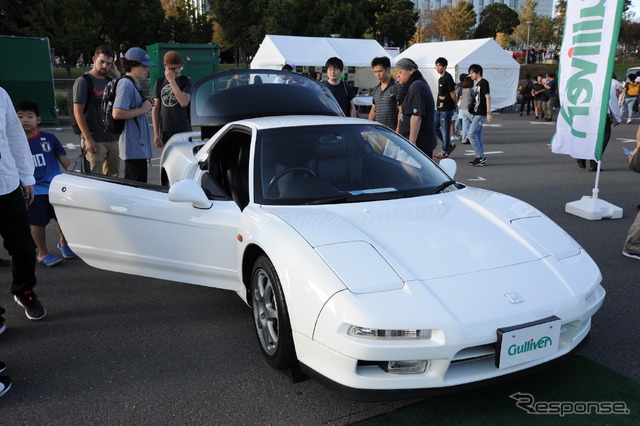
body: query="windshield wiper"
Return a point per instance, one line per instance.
(443, 186)
(349, 198)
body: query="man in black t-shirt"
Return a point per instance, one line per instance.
(99, 145)
(481, 111)
(445, 107)
(340, 90)
(418, 109)
(172, 94)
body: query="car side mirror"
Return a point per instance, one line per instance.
(188, 191)
(449, 166)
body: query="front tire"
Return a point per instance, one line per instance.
(270, 315)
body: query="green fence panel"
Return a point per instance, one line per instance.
(29, 75)
(200, 60)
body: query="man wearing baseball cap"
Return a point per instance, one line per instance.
(416, 121)
(172, 94)
(131, 105)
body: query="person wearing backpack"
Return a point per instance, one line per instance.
(631, 91)
(129, 105)
(99, 145)
(526, 86)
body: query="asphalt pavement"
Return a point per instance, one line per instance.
(118, 349)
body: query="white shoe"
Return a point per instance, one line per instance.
(629, 121)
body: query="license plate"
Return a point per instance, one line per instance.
(527, 342)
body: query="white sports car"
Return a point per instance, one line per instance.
(340, 234)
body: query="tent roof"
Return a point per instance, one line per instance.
(277, 50)
(484, 51)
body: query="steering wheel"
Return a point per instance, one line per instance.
(278, 176)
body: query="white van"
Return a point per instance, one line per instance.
(629, 71)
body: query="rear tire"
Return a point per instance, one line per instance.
(270, 315)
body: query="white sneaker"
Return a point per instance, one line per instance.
(628, 121)
(5, 384)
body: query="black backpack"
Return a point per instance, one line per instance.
(526, 89)
(72, 115)
(108, 98)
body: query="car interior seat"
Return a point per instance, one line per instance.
(333, 163)
(237, 177)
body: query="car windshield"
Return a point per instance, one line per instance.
(341, 164)
(235, 95)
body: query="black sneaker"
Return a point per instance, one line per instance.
(451, 148)
(5, 384)
(33, 309)
(479, 161)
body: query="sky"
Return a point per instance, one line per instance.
(635, 7)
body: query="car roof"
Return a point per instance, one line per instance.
(631, 71)
(288, 121)
(235, 95)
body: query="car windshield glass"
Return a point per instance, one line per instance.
(341, 164)
(235, 95)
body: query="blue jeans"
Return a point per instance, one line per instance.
(628, 103)
(443, 123)
(475, 134)
(466, 123)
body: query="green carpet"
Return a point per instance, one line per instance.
(575, 381)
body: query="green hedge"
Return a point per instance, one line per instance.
(61, 104)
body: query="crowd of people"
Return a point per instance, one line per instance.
(541, 92)
(31, 158)
(403, 103)
(535, 54)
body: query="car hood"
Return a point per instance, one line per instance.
(383, 244)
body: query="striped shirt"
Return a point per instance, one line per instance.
(386, 102)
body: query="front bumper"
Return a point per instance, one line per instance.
(459, 353)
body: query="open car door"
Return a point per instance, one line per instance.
(146, 230)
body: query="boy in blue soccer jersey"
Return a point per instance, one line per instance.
(48, 154)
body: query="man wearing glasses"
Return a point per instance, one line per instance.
(171, 94)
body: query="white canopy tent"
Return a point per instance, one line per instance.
(277, 50)
(499, 68)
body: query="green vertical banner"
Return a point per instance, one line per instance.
(586, 66)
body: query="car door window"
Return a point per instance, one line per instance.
(228, 167)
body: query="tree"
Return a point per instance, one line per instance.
(456, 21)
(558, 22)
(128, 23)
(241, 23)
(629, 34)
(526, 13)
(69, 33)
(393, 22)
(544, 32)
(433, 22)
(245, 22)
(13, 16)
(338, 17)
(185, 25)
(496, 18)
